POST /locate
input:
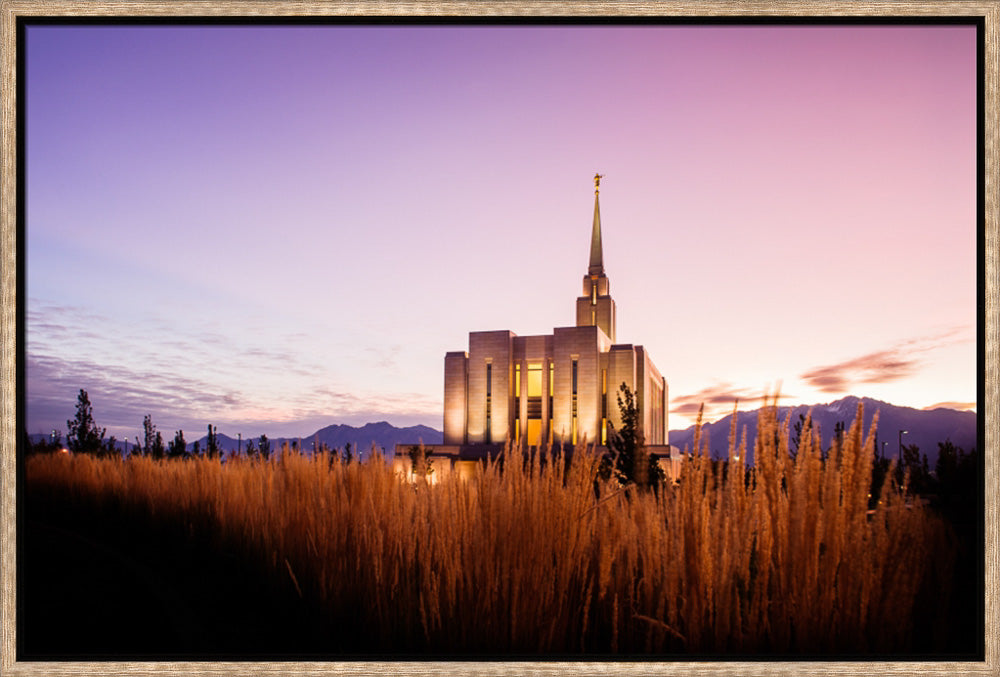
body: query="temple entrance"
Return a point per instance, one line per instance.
(533, 434)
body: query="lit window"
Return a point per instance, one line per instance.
(604, 393)
(574, 400)
(534, 380)
(489, 402)
(552, 389)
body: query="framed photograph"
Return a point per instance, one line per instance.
(299, 375)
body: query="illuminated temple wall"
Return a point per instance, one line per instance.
(531, 393)
(555, 388)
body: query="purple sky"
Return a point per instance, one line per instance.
(274, 229)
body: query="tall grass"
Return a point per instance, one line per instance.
(546, 557)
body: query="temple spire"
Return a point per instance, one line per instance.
(596, 307)
(596, 251)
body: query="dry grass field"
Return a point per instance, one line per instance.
(781, 559)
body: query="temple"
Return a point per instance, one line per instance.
(553, 390)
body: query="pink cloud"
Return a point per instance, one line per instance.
(881, 366)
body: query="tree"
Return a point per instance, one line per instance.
(880, 470)
(152, 439)
(84, 437)
(946, 467)
(51, 443)
(158, 450)
(916, 465)
(251, 449)
(793, 444)
(838, 432)
(213, 450)
(178, 447)
(630, 459)
(110, 447)
(420, 464)
(959, 484)
(265, 447)
(148, 435)
(196, 448)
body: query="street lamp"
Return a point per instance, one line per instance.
(899, 457)
(884, 444)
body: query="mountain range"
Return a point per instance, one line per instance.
(381, 434)
(925, 428)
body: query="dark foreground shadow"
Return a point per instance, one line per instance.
(101, 585)
(102, 591)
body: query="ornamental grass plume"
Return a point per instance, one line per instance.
(536, 554)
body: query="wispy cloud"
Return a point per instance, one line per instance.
(122, 396)
(961, 406)
(187, 376)
(718, 400)
(877, 367)
(881, 366)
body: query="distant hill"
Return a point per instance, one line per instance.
(382, 434)
(926, 427)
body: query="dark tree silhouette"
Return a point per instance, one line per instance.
(629, 459)
(914, 464)
(49, 444)
(420, 464)
(957, 477)
(265, 447)
(84, 437)
(110, 447)
(153, 440)
(796, 440)
(148, 435)
(177, 447)
(213, 450)
(158, 450)
(880, 470)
